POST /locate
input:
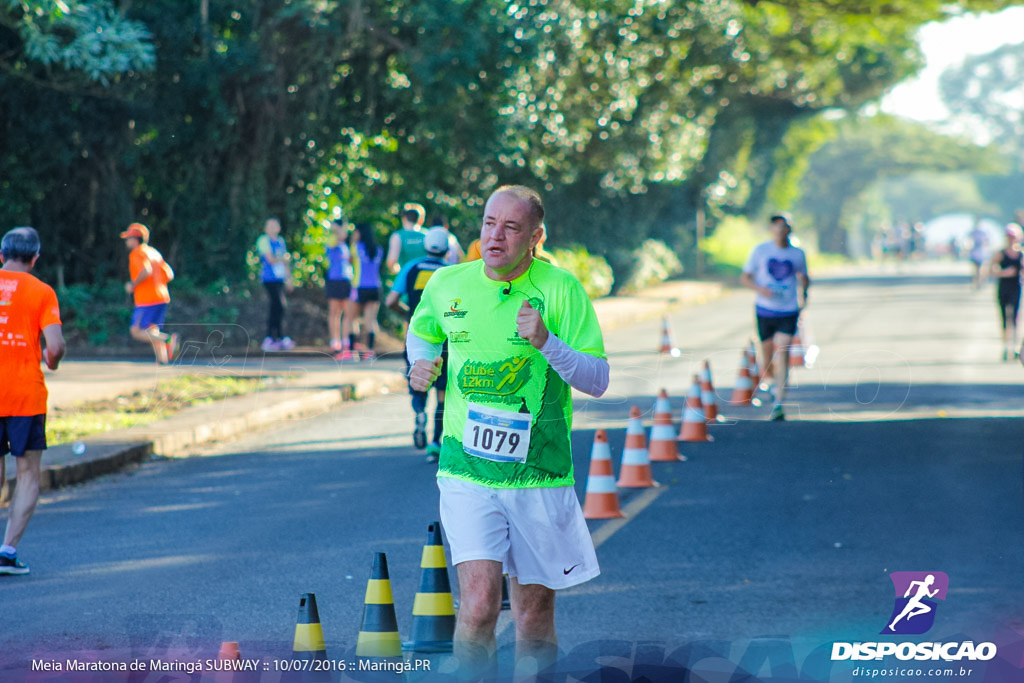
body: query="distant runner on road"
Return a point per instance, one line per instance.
(366, 256)
(410, 283)
(338, 287)
(455, 253)
(277, 280)
(150, 274)
(520, 332)
(978, 240)
(406, 244)
(28, 311)
(777, 271)
(1006, 268)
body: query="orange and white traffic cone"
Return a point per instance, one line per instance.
(602, 499)
(635, 472)
(755, 372)
(229, 652)
(666, 339)
(744, 389)
(663, 447)
(796, 351)
(662, 406)
(707, 395)
(695, 426)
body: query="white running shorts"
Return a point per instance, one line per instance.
(538, 534)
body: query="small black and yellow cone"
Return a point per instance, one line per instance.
(433, 612)
(378, 636)
(309, 635)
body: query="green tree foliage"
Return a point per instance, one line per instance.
(926, 195)
(865, 151)
(62, 43)
(986, 93)
(203, 118)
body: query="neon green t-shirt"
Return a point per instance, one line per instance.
(495, 375)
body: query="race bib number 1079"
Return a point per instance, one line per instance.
(498, 435)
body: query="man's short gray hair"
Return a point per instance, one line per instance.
(20, 244)
(528, 195)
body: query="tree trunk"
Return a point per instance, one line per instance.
(831, 235)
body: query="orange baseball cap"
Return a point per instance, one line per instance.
(136, 230)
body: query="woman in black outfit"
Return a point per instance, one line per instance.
(1006, 267)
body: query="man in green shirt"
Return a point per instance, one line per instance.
(520, 333)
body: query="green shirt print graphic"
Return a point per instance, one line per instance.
(498, 381)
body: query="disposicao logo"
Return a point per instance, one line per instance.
(913, 613)
(916, 595)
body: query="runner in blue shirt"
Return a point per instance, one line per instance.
(277, 279)
(338, 287)
(367, 257)
(410, 283)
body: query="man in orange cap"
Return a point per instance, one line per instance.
(149, 277)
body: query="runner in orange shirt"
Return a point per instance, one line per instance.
(150, 275)
(28, 309)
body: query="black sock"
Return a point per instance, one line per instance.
(352, 342)
(439, 422)
(369, 340)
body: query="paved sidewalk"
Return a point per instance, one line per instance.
(301, 387)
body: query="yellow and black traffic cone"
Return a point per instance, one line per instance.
(433, 611)
(309, 635)
(378, 636)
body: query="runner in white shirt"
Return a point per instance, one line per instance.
(777, 271)
(978, 240)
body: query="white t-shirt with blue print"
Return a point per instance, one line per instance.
(775, 268)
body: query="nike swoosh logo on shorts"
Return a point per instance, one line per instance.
(566, 571)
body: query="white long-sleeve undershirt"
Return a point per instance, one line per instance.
(580, 370)
(419, 348)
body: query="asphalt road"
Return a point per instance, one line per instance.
(903, 453)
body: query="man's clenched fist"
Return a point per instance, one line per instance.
(424, 373)
(530, 326)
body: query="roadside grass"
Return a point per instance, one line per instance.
(143, 407)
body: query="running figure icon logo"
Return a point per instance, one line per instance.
(916, 593)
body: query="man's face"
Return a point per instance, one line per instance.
(272, 228)
(780, 231)
(131, 242)
(508, 232)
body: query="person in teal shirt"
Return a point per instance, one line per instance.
(407, 244)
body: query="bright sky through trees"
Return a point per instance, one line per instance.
(946, 44)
